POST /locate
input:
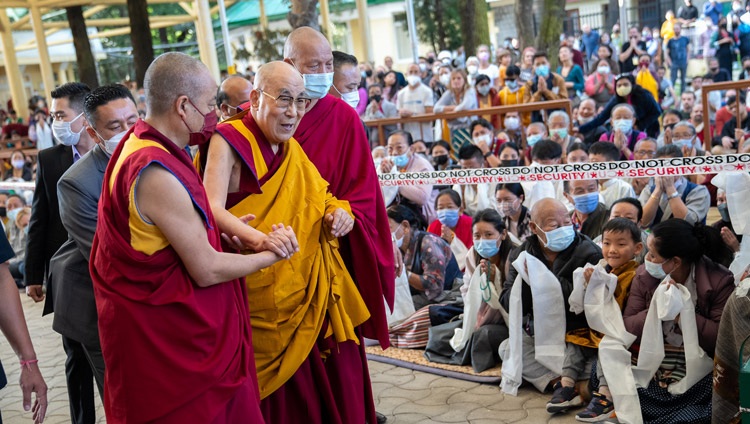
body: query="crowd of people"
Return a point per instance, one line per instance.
(227, 251)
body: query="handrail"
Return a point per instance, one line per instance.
(705, 89)
(497, 110)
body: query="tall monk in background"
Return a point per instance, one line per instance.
(173, 319)
(303, 311)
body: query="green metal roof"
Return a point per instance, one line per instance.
(247, 12)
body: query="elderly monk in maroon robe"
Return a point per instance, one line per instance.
(334, 139)
(173, 318)
(303, 310)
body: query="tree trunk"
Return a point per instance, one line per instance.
(163, 38)
(140, 38)
(525, 23)
(303, 13)
(468, 18)
(550, 29)
(439, 26)
(481, 23)
(86, 64)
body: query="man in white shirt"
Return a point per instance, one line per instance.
(416, 99)
(613, 189)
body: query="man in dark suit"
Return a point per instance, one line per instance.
(110, 112)
(47, 234)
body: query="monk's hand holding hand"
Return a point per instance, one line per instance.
(446, 233)
(32, 382)
(235, 242)
(339, 222)
(619, 139)
(483, 266)
(281, 241)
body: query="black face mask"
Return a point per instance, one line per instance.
(368, 72)
(376, 97)
(3, 211)
(430, 60)
(440, 159)
(381, 75)
(509, 162)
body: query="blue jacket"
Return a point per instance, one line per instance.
(713, 11)
(590, 43)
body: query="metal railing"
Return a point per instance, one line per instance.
(498, 110)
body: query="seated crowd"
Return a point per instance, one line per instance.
(492, 266)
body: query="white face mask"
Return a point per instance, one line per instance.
(413, 80)
(110, 145)
(472, 70)
(484, 137)
(512, 123)
(351, 98)
(64, 134)
(445, 79)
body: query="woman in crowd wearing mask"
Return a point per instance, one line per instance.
(627, 92)
(40, 131)
(487, 98)
(689, 259)
(604, 52)
(509, 155)
(440, 154)
(600, 85)
(486, 267)
(512, 127)
(452, 224)
(623, 135)
(472, 69)
(459, 96)
(526, 71)
(441, 81)
(430, 266)
(509, 203)
(485, 67)
(724, 41)
(391, 87)
(20, 170)
(572, 73)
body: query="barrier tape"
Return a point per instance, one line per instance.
(8, 186)
(573, 171)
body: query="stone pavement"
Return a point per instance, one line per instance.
(405, 396)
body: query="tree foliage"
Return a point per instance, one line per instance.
(550, 28)
(474, 24)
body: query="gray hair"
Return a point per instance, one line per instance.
(687, 125)
(560, 113)
(623, 105)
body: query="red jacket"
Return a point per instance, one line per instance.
(714, 285)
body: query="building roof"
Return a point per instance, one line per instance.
(58, 53)
(247, 12)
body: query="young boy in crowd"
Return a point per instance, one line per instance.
(621, 244)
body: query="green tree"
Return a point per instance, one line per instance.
(474, 24)
(550, 28)
(141, 38)
(438, 23)
(85, 59)
(303, 13)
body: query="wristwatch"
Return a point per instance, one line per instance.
(673, 195)
(488, 154)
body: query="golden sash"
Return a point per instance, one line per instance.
(290, 300)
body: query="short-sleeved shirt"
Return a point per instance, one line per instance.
(6, 253)
(631, 63)
(678, 50)
(688, 12)
(416, 101)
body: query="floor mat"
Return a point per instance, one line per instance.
(414, 359)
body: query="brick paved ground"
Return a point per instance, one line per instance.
(405, 396)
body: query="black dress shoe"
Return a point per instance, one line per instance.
(380, 417)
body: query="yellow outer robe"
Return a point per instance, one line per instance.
(290, 300)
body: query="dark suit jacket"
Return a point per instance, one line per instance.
(79, 190)
(46, 231)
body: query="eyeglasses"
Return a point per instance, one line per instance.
(284, 101)
(644, 153)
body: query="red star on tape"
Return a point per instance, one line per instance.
(500, 179)
(739, 166)
(620, 173)
(593, 175)
(706, 169)
(523, 178)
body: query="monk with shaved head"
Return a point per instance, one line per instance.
(233, 92)
(302, 309)
(334, 139)
(173, 319)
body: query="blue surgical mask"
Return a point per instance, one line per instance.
(682, 142)
(12, 214)
(560, 238)
(654, 269)
(624, 125)
(586, 203)
(542, 71)
(448, 217)
(512, 85)
(401, 160)
(486, 248)
(317, 85)
(561, 132)
(531, 140)
(724, 212)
